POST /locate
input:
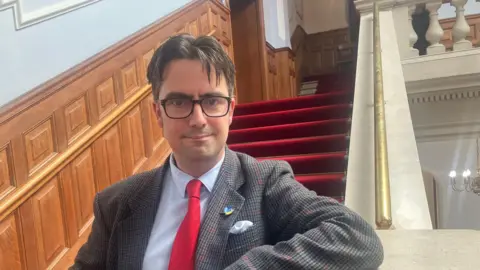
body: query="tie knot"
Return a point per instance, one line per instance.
(193, 188)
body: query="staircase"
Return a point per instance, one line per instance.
(309, 132)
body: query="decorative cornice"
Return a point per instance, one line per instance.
(447, 131)
(366, 6)
(441, 96)
(24, 19)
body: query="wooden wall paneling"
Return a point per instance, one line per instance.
(127, 80)
(322, 48)
(11, 244)
(293, 74)
(143, 63)
(249, 51)
(7, 177)
(77, 183)
(105, 98)
(43, 227)
(133, 141)
(298, 41)
(78, 134)
(272, 86)
(286, 74)
(261, 43)
(108, 159)
(148, 123)
(72, 121)
(40, 145)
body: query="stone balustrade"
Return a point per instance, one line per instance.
(435, 33)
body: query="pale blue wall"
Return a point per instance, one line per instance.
(33, 55)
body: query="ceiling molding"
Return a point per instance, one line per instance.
(25, 19)
(442, 96)
(447, 131)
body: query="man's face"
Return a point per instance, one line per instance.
(197, 136)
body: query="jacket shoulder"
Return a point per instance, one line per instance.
(125, 189)
(263, 168)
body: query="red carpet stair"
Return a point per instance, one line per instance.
(310, 133)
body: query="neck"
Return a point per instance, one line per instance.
(197, 167)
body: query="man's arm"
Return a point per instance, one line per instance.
(312, 232)
(92, 255)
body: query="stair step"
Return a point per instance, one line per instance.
(295, 130)
(323, 184)
(293, 116)
(299, 146)
(293, 103)
(315, 163)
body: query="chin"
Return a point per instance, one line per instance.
(201, 152)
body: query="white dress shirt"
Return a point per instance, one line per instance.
(171, 211)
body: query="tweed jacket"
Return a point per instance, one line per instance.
(293, 227)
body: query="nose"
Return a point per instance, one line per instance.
(198, 118)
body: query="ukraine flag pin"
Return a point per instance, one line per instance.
(227, 211)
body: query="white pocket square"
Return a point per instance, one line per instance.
(241, 226)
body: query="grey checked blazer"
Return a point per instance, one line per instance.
(293, 227)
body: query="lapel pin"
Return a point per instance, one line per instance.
(227, 211)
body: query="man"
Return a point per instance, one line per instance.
(211, 208)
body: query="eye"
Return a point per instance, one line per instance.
(212, 101)
(176, 102)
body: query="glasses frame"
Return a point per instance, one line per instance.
(199, 102)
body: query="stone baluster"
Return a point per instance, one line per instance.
(461, 28)
(435, 31)
(413, 35)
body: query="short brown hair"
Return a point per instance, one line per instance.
(206, 49)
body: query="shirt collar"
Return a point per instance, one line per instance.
(181, 179)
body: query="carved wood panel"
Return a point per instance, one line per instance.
(40, 145)
(108, 159)
(10, 245)
(47, 225)
(322, 52)
(272, 80)
(77, 119)
(128, 80)
(282, 81)
(105, 98)
(133, 143)
(94, 127)
(7, 182)
(78, 191)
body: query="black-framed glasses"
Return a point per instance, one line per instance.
(212, 106)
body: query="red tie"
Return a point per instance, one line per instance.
(183, 250)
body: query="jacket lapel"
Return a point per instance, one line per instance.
(134, 231)
(215, 226)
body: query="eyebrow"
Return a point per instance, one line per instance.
(214, 93)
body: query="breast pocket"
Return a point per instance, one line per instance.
(245, 241)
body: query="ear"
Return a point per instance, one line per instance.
(232, 109)
(157, 110)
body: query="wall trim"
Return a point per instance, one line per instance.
(460, 83)
(443, 96)
(25, 19)
(447, 131)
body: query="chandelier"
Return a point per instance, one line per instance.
(468, 183)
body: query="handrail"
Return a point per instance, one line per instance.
(383, 215)
(22, 194)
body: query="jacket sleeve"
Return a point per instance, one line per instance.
(92, 255)
(312, 232)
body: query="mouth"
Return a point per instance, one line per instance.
(199, 137)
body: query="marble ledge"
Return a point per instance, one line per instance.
(430, 249)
